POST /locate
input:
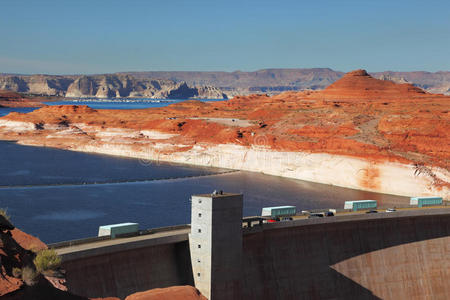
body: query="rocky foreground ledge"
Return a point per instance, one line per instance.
(20, 277)
(360, 133)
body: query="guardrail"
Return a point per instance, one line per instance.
(94, 239)
(78, 242)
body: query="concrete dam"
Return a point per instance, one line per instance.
(404, 254)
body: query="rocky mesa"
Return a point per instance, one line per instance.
(106, 86)
(359, 132)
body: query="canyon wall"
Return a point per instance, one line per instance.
(272, 81)
(278, 80)
(106, 86)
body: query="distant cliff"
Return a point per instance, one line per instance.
(106, 86)
(271, 81)
(274, 81)
(193, 84)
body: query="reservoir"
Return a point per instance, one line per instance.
(60, 195)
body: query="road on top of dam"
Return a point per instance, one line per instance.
(180, 234)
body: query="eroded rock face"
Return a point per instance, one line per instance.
(106, 86)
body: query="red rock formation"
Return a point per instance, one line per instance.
(360, 85)
(12, 99)
(171, 293)
(26, 241)
(17, 251)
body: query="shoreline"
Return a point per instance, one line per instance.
(353, 173)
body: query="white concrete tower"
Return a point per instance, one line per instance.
(216, 244)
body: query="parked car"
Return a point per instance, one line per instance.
(329, 214)
(371, 211)
(391, 210)
(311, 216)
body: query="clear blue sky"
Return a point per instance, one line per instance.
(88, 36)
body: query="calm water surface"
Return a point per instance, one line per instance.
(61, 195)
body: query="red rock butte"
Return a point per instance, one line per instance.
(359, 84)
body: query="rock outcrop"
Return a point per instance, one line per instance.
(19, 278)
(48, 85)
(171, 293)
(392, 78)
(106, 86)
(12, 99)
(359, 84)
(437, 82)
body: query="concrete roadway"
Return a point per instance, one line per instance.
(180, 235)
(381, 212)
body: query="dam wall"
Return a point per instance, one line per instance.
(119, 270)
(401, 255)
(377, 257)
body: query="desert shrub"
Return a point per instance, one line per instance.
(3, 212)
(34, 248)
(17, 272)
(29, 276)
(47, 260)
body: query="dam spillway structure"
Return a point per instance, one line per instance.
(215, 244)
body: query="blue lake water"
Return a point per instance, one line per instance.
(6, 110)
(61, 195)
(120, 103)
